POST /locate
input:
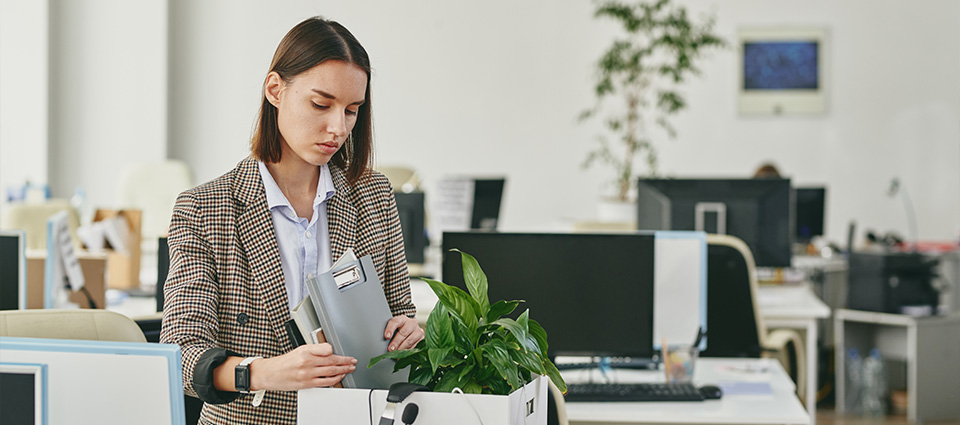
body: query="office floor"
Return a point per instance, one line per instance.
(829, 417)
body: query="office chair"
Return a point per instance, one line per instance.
(556, 405)
(735, 327)
(402, 178)
(32, 219)
(84, 324)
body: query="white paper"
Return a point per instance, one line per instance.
(71, 265)
(453, 204)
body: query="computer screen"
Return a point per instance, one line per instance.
(487, 196)
(23, 400)
(592, 293)
(104, 382)
(163, 268)
(410, 207)
(758, 211)
(810, 206)
(13, 270)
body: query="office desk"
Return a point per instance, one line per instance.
(930, 346)
(796, 307)
(781, 407)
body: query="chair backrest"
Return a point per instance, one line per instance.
(32, 219)
(153, 188)
(84, 324)
(402, 178)
(556, 405)
(734, 326)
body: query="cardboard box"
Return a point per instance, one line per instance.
(123, 269)
(93, 266)
(349, 406)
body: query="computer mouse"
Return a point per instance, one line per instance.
(711, 392)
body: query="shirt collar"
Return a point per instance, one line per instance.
(275, 197)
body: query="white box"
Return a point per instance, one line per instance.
(350, 406)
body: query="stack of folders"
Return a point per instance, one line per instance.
(346, 308)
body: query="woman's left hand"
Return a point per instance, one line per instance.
(408, 333)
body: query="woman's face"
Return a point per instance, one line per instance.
(317, 109)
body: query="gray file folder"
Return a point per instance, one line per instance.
(353, 314)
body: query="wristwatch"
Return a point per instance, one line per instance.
(241, 375)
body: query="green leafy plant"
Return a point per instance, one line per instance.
(639, 76)
(471, 346)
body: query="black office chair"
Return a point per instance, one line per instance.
(734, 325)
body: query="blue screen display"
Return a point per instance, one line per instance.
(790, 65)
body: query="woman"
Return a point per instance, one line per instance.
(243, 245)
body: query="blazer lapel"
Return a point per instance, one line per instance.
(259, 241)
(341, 215)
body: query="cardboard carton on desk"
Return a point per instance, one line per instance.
(351, 406)
(123, 264)
(93, 266)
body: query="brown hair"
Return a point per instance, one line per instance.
(310, 43)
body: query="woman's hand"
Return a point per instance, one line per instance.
(408, 333)
(307, 366)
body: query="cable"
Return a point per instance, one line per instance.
(370, 405)
(457, 390)
(89, 297)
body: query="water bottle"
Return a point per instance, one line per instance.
(874, 386)
(854, 385)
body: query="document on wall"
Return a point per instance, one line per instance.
(453, 204)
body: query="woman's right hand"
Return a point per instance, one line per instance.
(307, 366)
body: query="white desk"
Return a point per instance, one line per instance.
(781, 407)
(796, 307)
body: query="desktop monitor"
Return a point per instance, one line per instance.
(592, 293)
(758, 211)
(810, 206)
(103, 382)
(24, 397)
(487, 195)
(163, 268)
(13, 270)
(410, 207)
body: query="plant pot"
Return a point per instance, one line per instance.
(617, 211)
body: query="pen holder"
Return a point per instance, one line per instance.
(679, 363)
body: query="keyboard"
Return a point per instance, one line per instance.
(633, 392)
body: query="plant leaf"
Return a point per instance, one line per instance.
(439, 332)
(500, 309)
(396, 354)
(519, 332)
(476, 281)
(437, 356)
(457, 301)
(554, 374)
(540, 335)
(529, 360)
(496, 352)
(422, 376)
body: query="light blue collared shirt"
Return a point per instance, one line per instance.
(304, 245)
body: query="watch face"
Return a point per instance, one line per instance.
(242, 378)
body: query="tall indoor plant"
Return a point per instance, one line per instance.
(638, 78)
(471, 346)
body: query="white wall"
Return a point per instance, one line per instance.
(24, 71)
(108, 92)
(494, 88)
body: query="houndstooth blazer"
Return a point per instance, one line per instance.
(226, 289)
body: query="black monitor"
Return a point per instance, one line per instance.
(13, 270)
(163, 268)
(592, 293)
(24, 391)
(810, 206)
(487, 195)
(758, 211)
(410, 207)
